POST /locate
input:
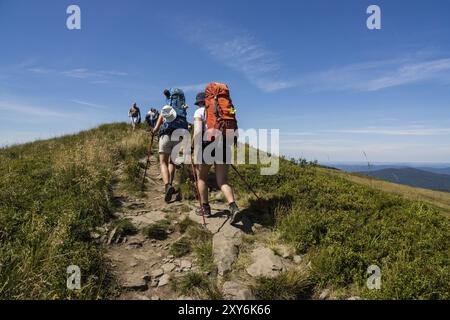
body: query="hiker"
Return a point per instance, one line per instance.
(135, 115)
(172, 117)
(204, 120)
(151, 117)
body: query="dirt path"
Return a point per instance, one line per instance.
(146, 269)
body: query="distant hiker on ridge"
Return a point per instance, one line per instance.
(172, 117)
(135, 115)
(216, 97)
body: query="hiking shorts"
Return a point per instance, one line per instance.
(135, 120)
(166, 145)
(224, 159)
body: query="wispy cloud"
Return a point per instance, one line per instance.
(193, 87)
(377, 75)
(40, 70)
(371, 130)
(240, 51)
(27, 110)
(398, 131)
(89, 104)
(83, 73)
(97, 76)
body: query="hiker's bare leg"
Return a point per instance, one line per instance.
(172, 169)
(222, 181)
(202, 174)
(164, 165)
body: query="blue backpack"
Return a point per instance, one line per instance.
(177, 101)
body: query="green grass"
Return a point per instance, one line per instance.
(345, 227)
(52, 195)
(291, 285)
(204, 253)
(158, 230)
(124, 227)
(180, 248)
(196, 285)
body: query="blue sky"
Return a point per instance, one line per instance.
(310, 68)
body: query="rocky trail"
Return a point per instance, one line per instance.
(147, 269)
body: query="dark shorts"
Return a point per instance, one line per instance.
(209, 157)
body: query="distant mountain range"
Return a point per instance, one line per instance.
(421, 178)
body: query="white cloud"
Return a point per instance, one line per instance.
(98, 76)
(240, 51)
(193, 87)
(398, 131)
(89, 104)
(16, 109)
(40, 70)
(377, 75)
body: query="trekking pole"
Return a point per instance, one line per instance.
(245, 182)
(149, 154)
(197, 192)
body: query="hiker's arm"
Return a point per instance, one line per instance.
(158, 124)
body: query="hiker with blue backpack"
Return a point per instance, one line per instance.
(173, 117)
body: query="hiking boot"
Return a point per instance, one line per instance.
(236, 215)
(206, 209)
(169, 193)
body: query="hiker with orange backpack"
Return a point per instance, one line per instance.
(172, 117)
(215, 122)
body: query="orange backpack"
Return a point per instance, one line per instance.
(220, 112)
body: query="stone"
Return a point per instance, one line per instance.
(154, 283)
(325, 294)
(297, 259)
(256, 227)
(134, 245)
(283, 251)
(168, 267)
(157, 273)
(226, 248)
(156, 298)
(141, 297)
(164, 280)
(185, 264)
(111, 236)
(236, 291)
(265, 263)
(354, 298)
(95, 235)
(134, 283)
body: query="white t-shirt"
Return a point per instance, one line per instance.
(200, 113)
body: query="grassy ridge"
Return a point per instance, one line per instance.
(52, 194)
(345, 227)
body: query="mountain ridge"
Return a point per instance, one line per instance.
(412, 177)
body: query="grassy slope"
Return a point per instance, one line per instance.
(344, 227)
(52, 194)
(439, 199)
(412, 177)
